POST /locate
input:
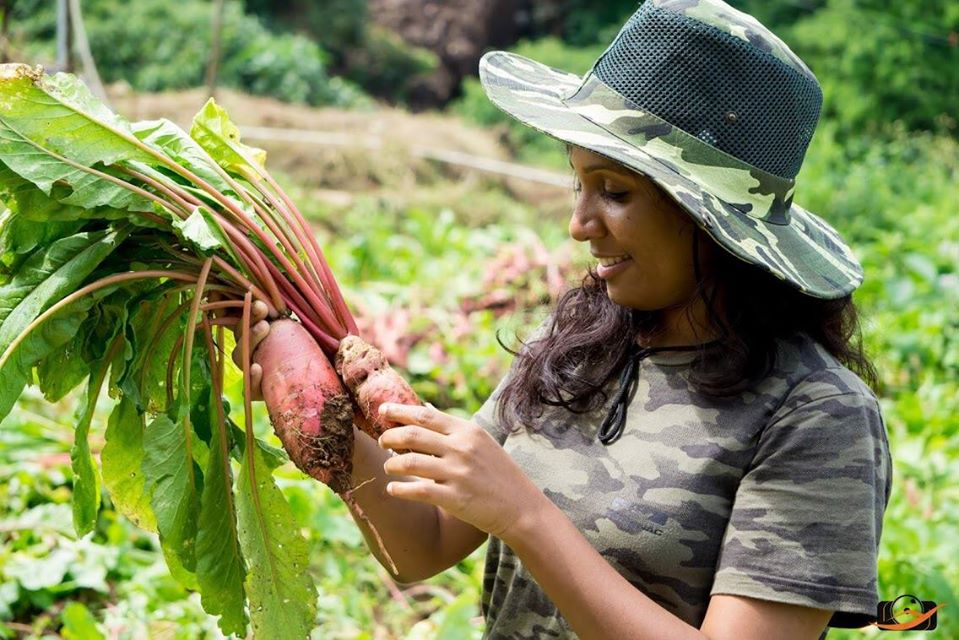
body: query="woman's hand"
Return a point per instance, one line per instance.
(460, 468)
(259, 329)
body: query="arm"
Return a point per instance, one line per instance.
(458, 466)
(422, 539)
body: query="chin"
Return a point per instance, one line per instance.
(631, 299)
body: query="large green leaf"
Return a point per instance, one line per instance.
(39, 216)
(282, 596)
(121, 460)
(66, 367)
(201, 232)
(46, 277)
(19, 235)
(220, 567)
(273, 456)
(86, 482)
(167, 137)
(216, 133)
(171, 479)
(52, 128)
(145, 377)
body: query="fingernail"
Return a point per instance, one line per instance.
(384, 408)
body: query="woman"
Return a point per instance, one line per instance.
(681, 451)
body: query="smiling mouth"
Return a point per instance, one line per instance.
(608, 262)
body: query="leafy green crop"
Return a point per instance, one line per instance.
(119, 245)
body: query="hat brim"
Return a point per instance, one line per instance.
(807, 252)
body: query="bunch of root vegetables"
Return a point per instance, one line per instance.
(125, 249)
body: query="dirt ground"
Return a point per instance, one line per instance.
(370, 151)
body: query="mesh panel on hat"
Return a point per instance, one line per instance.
(729, 93)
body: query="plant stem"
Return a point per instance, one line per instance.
(188, 359)
(242, 281)
(313, 275)
(320, 313)
(170, 366)
(329, 282)
(272, 224)
(155, 340)
(222, 304)
(252, 260)
(216, 370)
(175, 197)
(90, 288)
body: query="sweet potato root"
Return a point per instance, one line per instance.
(309, 408)
(371, 381)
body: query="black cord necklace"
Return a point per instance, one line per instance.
(615, 422)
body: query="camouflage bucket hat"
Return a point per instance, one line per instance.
(716, 110)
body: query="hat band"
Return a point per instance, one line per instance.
(752, 191)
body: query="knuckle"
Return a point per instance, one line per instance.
(424, 415)
(408, 462)
(420, 489)
(467, 447)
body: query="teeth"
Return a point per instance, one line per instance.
(608, 262)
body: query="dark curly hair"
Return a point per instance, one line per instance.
(587, 340)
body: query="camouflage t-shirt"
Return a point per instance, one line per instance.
(777, 494)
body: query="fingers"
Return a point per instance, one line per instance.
(428, 417)
(414, 439)
(258, 332)
(259, 311)
(256, 379)
(415, 464)
(419, 491)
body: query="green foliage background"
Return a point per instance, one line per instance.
(154, 46)
(883, 168)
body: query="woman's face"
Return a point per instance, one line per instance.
(642, 239)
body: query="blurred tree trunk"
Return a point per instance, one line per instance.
(5, 8)
(81, 44)
(64, 37)
(213, 66)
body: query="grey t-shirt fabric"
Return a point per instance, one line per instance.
(776, 494)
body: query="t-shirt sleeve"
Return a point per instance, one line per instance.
(807, 517)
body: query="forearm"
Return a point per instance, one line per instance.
(594, 598)
(412, 532)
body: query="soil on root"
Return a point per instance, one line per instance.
(327, 456)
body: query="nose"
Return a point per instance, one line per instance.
(585, 223)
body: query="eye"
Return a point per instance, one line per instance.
(616, 196)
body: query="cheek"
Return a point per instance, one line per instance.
(663, 273)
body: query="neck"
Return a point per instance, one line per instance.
(683, 326)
